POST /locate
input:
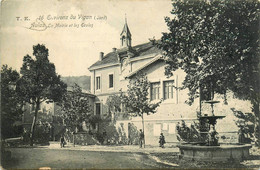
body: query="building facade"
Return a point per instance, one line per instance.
(112, 72)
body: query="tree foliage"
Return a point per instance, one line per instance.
(117, 107)
(217, 44)
(76, 108)
(39, 81)
(11, 103)
(136, 99)
(114, 103)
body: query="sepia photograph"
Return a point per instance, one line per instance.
(130, 84)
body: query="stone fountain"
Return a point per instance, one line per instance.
(212, 150)
(212, 120)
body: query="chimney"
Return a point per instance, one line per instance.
(114, 49)
(101, 55)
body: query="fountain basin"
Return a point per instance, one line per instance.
(222, 153)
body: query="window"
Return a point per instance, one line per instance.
(165, 126)
(168, 89)
(98, 109)
(172, 128)
(123, 40)
(95, 126)
(111, 80)
(98, 83)
(155, 91)
(156, 129)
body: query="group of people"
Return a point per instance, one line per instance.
(141, 139)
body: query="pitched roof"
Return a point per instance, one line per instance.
(156, 58)
(84, 92)
(141, 50)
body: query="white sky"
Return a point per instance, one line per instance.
(73, 50)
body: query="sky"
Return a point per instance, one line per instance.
(74, 44)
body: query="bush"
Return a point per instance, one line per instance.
(133, 134)
(41, 135)
(112, 136)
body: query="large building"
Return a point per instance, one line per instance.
(112, 72)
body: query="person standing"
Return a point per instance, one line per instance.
(62, 141)
(162, 140)
(141, 138)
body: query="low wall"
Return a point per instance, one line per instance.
(222, 153)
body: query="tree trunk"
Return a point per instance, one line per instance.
(143, 128)
(257, 124)
(73, 139)
(212, 91)
(34, 123)
(200, 100)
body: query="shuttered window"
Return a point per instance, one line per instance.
(168, 87)
(155, 91)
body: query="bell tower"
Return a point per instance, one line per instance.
(125, 36)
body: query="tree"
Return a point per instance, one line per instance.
(75, 108)
(136, 99)
(39, 82)
(116, 106)
(11, 103)
(217, 44)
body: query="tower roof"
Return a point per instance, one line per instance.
(126, 29)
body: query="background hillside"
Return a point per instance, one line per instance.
(82, 81)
